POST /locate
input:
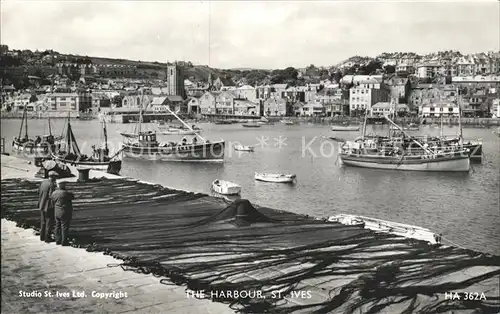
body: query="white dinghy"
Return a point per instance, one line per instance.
(243, 148)
(275, 177)
(225, 187)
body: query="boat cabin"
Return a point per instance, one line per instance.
(148, 139)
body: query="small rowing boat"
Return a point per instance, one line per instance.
(225, 187)
(243, 148)
(252, 125)
(345, 128)
(275, 177)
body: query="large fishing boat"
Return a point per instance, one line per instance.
(37, 146)
(144, 144)
(69, 153)
(396, 154)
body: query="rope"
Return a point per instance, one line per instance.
(453, 243)
(22, 169)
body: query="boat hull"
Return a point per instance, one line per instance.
(453, 163)
(275, 178)
(345, 128)
(30, 149)
(226, 188)
(190, 153)
(243, 148)
(113, 166)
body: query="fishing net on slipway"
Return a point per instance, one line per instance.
(206, 244)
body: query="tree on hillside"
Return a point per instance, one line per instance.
(288, 75)
(370, 68)
(324, 74)
(390, 69)
(337, 76)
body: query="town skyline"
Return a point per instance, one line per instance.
(107, 29)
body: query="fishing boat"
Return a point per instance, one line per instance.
(288, 122)
(223, 122)
(69, 153)
(37, 146)
(265, 121)
(243, 148)
(225, 187)
(392, 155)
(144, 145)
(345, 128)
(251, 125)
(275, 177)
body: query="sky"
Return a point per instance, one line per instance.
(249, 34)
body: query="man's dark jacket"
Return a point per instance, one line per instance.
(44, 193)
(63, 205)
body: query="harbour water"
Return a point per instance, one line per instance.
(461, 206)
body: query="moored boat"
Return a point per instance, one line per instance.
(223, 122)
(288, 122)
(275, 177)
(398, 154)
(345, 128)
(144, 145)
(404, 230)
(37, 146)
(452, 161)
(243, 148)
(251, 125)
(225, 187)
(69, 153)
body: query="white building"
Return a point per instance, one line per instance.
(496, 108)
(445, 109)
(312, 109)
(246, 92)
(367, 93)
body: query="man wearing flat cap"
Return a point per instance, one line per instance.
(63, 207)
(46, 207)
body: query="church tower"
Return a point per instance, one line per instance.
(175, 80)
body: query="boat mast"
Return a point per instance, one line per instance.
(459, 114)
(105, 131)
(26, 124)
(140, 112)
(441, 131)
(22, 124)
(50, 128)
(364, 126)
(416, 142)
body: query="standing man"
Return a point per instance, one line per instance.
(46, 206)
(63, 207)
